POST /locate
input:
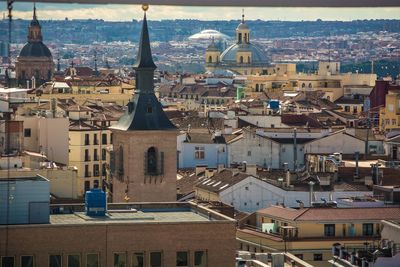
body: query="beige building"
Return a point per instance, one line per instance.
(48, 136)
(153, 235)
(283, 76)
(389, 117)
(88, 151)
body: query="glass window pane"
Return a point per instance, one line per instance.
(200, 258)
(119, 259)
(74, 260)
(7, 262)
(92, 260)
(138, 260)
(55, 261)
(26, 261)
(155, 259)
(181, 258)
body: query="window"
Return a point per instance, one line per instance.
(55, 261)
(241, 59)
(95, 140)
(120, 259)
(95, 155)
(104, 139)
(318, 257)
(96, 169)
(249, 153)
(149, 109)
(151, 160)
(103, 154)
(27, 261)
(209, 59)
(368, 229)
(138, 259)
(92, 260)
(103, 169)
(87, 142)
(329, 229)
(182, 258)
(347, 108)
(199, 152)
(155, 259)
(300, 256)
(27, 132)
(87, 157)
(7, 262)
(74, 260)
(87, 186)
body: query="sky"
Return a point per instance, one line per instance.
(129, 12)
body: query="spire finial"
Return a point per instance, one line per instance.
(34, 11)
(242, 15)
(145, 7)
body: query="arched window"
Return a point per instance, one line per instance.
(309, 85)
(257, 88)
(209, 59)
(239, 37)
(245, 37)
(248, 60)
(303, 85)
(241, 59)
(151, 161)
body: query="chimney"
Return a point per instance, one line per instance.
(287, 178)
(199, 169)
(220, 167)
(209, 172)
(251, 169)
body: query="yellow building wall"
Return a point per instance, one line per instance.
(77, 149)
(390, 114)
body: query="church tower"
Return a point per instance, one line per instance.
(212, 56)
(143, 163)
(35, 59)
(243, 55)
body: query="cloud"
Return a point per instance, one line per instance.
(129, 12)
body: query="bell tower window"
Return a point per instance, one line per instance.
(152, 161)
(240, 37)
(241, 59)
(209, 59)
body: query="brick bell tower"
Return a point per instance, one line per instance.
(143, 161)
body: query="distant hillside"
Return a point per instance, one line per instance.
(88, 31)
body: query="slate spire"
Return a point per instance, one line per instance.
(144, 58)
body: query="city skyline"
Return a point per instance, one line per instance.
(129, 12)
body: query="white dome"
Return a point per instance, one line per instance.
(208, 34)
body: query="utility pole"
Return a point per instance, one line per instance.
(9, 7)
(295, 149)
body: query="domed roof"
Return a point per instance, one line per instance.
(35, 49)
(208, 34)
(257, 55)
(242, 26)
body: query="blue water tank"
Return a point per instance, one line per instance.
(95, 202)
(274, 104)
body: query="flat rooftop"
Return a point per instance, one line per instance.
(129, 217)
(131, 213)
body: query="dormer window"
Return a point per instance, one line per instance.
(149, 109)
